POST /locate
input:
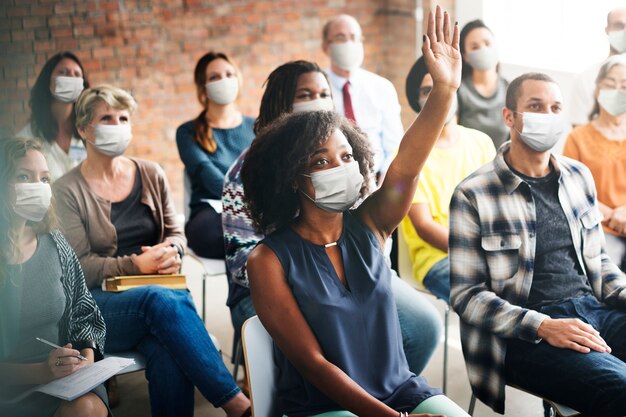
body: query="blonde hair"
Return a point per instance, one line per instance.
(112, 96)
(12, 150)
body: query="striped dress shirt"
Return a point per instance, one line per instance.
(492, 251)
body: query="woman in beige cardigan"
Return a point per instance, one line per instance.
(117, 214)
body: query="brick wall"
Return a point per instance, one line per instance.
(150, 48)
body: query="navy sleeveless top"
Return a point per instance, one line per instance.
(357, 326)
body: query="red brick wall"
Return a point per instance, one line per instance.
(150, 48)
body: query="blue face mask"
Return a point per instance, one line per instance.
(336, 189)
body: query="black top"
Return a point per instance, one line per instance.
(558, 275)
(134, 222)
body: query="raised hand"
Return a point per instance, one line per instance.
(441, 50)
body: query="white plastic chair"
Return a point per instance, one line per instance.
(261, 371)
(405, 271)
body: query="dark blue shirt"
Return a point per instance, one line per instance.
(356, 326)
(206, 171)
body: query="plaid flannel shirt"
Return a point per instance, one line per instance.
(492, 251)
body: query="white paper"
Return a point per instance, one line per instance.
(82, 381)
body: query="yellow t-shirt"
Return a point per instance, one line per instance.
(443, 171)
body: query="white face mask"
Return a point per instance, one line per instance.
(541, 131)
(613, 101)
(314, 105)
(451, 112)
(223, 91)
(32, 200)
(483, 58)
(336, 189)
(112, 140)
(68, 89)
(347, 55)
(617, 39)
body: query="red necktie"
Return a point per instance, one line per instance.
(347, 103)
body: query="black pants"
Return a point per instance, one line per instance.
(204, 233)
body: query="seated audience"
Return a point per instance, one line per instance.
(482, 91)
(118, 215)
(365, 98)
(458, 152)
(208, 145)
(42, 294)
(319, 281)
(600, 146)
(52, 99)
(541, 303)
(293, 87)
(584, 85)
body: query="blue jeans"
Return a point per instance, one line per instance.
(437, 280)
(419, 321)
(164, 326)
(592, 383)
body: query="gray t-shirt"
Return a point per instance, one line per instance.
(557, 275)
(37, 304)
(483, 113)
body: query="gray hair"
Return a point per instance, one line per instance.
(602, 74)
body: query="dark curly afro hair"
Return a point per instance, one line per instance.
(281, 152)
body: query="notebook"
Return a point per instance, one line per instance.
(126, 282)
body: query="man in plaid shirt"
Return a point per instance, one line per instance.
(542, 307)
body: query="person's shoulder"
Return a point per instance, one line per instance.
(484, 177)
(151, 168)
(374, 78)
(570, 165)
(68, 180)
(185, 128)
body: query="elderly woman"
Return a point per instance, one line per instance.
(42, 293)
(52, 99)
(117, 214)
(208, 145)
(319, 281)
(600, 145)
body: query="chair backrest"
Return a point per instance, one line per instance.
(186, 195)
(261, 371)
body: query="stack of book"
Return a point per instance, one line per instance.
(123, 283)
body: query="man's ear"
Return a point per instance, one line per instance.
(326, 47)
(509, 116)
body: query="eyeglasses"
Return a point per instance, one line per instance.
(342, 38)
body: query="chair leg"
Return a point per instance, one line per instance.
(204, 278)
(238, 353)
(445, 348)
(472, 404)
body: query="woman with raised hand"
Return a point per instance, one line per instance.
(52, 99)
(319, 281)
(208, 146)
(483, 90)
(42, 293)
(298, 86)
(600, 145)
(118, 215)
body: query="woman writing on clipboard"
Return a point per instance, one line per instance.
(42, 293)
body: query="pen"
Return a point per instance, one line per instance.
(81, 357)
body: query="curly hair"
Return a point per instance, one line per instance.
(281, 153)
(280, 91)
(12, 150)
(42, 120)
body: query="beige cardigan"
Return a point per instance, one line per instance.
(86, 221)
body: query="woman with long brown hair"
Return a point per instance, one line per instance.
(208, 145)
